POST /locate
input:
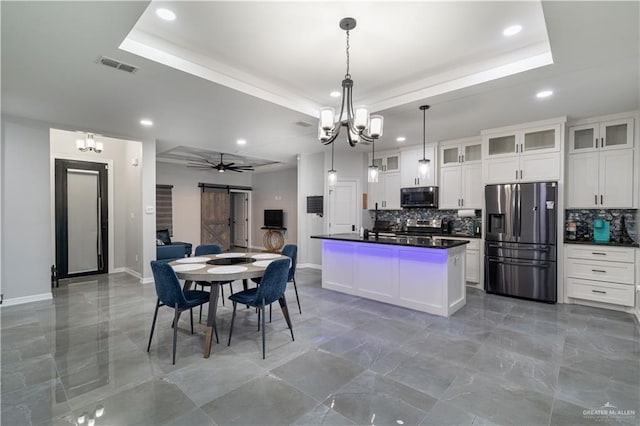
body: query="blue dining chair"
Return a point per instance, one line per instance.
(210, 249)
(291, 251)
(170, 294)
(272, 288)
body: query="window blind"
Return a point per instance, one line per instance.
(164, 208)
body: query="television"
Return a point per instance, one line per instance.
(274, 219)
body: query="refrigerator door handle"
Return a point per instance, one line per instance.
(518, 248)
(534, 264)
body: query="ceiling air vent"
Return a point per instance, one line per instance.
(112, 63)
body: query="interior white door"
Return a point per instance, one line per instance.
(240, 219)
(82, 213)
(343, 207)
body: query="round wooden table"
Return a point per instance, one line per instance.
(215, 274)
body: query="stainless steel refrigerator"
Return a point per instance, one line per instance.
(520, 243)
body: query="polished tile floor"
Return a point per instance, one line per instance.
(497, 361)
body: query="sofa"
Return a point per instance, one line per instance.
(167, 249)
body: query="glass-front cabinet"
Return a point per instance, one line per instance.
(460, 153)
(613, 134)
(387, 161)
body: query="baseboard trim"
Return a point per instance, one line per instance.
(147, 280)
(309, 265)
(132, 273)
(118, 270)
(27, 299)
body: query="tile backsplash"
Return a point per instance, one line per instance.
(622, 223)
(459, 224)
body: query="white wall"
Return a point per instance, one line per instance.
(133, 220)
(186, 195)
(311, 181)
(277, 189)
(26, 210)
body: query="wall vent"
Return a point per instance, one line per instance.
(112, 63)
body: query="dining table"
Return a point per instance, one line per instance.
(221, 268)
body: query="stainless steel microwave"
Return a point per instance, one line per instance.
(423, 196)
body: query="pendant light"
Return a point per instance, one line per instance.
(372, 175)
(424, 165)
(332, 175)
(360, 126)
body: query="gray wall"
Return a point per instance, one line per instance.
(186, 195)
(26, 208)
(311, 181)
(133, 220)
(277, 189)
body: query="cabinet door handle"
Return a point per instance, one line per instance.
(601, 200)
(601, 142)
(598, 253)
(516, 175)
(522, 147)
(596, 199)
(520, 174)
(599, 291)
(462, 202)
(516, 148)
(599, 270)
(596, 143)
(462, 158)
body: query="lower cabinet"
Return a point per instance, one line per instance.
(473, 258)
(601, 274)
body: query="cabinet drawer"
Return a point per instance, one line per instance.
(615, 272)
(601, 292)
(612, 254)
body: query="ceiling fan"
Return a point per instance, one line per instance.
(220, 167)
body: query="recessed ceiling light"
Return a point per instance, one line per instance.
(401, 139)
(335, 94)
(146, 122)
(544, 94)
(166, 14)
(512, 30)
(241, 142)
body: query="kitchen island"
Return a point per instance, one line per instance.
(422, 273)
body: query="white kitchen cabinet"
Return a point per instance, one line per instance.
(606, 135)
(387, 161)
(409, 158)
(461, 187)
(601, 274)
(385, 192)
(527, 154)
(461, 174)
(473, 258)
(600, 179)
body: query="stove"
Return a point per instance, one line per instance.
(422, 227)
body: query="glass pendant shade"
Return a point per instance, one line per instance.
(361, 118)
(375, 126)
(332, 177)
(424, 168)
(322, 134)
(373, 174)
(327, 115)
(91, 143)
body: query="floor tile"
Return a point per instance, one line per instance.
(266, 400)
(375, 399)
(323, 415)
(318, 373)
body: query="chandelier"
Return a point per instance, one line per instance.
(360, 126)
(89, 144)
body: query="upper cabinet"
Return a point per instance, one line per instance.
(600, 166)
(461, 174)
(409, 176)
(523, 154)
(387, 161)
(613, 134)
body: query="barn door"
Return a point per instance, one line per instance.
(215, 217)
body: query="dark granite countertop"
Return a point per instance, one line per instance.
(400, 240)
(594, 243)
(441, 234)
